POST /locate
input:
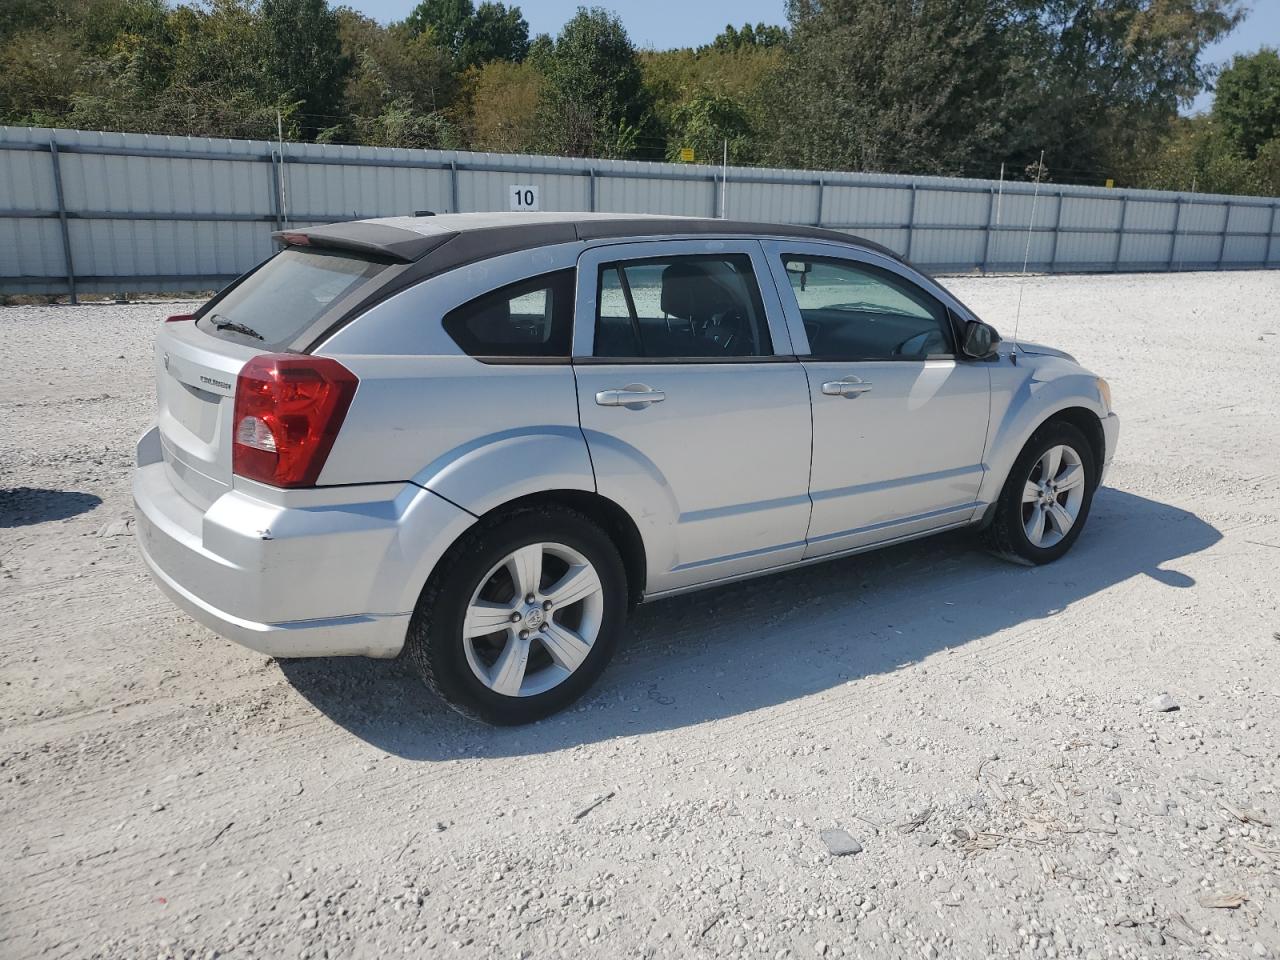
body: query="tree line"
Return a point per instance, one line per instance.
(951, 87)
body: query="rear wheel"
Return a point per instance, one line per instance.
(521, 616)
(1046, 499)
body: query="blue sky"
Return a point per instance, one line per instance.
(687, 23)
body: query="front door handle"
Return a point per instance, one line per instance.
(848, 387)
(634, 396)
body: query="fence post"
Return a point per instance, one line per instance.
(986, 243)
(911, 222)
(821, 188)
(1173, 243)
(453, 185)
(591, 189)
(1124, 213)
(276, 204)
(1271, 234)
(1057, 224)
(62, 221)
(1222, 241)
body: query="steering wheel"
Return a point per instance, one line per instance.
(725, 331)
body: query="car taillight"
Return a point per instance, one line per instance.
(179, 317)
(288, 411)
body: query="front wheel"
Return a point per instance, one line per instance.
(1046, 499)
(521, 616)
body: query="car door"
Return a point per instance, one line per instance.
(694, 407)
(899, 418)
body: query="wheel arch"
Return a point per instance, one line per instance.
(1088, 423)
(1085, 419)
(612, 518)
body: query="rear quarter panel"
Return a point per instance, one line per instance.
(477, 433)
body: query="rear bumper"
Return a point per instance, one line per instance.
(318, 579)
(361, 635)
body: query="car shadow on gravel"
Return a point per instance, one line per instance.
(758, 643)
(25, 506)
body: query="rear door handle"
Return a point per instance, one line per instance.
(633, 395)
(848, 387)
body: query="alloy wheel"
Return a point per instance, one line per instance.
(533, 619)
(1052, 496)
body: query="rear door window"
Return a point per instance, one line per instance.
(681, 308)
(283, 297)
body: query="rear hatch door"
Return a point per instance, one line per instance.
(195, 393)
(197, 361)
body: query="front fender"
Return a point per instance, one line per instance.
(1022, 398)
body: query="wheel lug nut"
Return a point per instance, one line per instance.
(529, 598)
(524, 634)
(515, 617)
(546, 604)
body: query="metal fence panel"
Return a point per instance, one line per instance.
(116, 212)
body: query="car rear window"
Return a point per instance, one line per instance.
(283, 297)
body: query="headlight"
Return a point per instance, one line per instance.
(1104, 391)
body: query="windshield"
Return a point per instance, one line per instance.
(284, 296)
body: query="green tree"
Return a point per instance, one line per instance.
(707, 122)
(899, 85)
(305, 59)
(1247, 102)
(715, 78)
(393, 63)
(541, 49)
(474, 35)
(594, 102)
(505, 107)
(495, 32)
(447, 19)
(1109, 75)
(761, 35)
(401, 125)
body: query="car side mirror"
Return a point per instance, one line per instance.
(980, 340)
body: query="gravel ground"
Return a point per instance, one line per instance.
(983, 734)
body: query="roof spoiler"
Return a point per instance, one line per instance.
(369, 239)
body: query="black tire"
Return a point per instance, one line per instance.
(435, 643)
(1007, 535)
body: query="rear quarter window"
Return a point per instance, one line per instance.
(529, 319)
(273, 305)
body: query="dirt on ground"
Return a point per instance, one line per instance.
(982, 744)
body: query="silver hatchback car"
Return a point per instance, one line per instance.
(478, 439)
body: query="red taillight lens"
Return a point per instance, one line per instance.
(177, 317)
(288, 411)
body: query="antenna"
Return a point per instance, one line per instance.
(1026, 256)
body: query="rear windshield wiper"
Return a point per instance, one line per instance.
(236, 328)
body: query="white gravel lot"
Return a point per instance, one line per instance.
(983, 731)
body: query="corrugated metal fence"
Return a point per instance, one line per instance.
(118, 212)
